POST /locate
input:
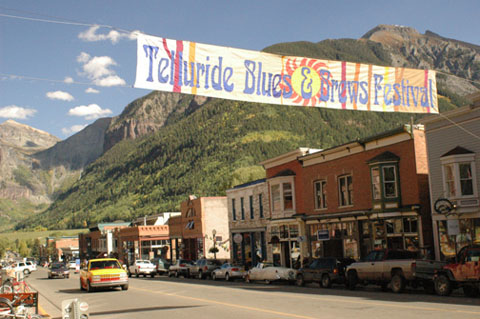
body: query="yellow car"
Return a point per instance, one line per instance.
(103, 272)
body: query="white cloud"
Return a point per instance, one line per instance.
(114, 36)
(60, 95)
(90, 112)
(68, 79)
(73, 129)
(92, 90)
(112, 80)
(16, 112)
(98, 70)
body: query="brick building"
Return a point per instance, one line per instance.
(366, 194)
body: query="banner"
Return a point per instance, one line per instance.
(228, 73)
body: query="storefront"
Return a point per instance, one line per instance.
(455, 233)
(249, 248)
(356, 235)
(285, 243)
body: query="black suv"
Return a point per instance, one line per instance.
(325, 271)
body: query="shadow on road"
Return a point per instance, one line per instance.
(372, 293)
(135, 310)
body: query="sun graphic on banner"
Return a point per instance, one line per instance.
(306, 82)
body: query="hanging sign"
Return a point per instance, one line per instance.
(252, 76)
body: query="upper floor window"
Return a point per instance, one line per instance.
(345, 190)
(283, 198)
(252, 214)
(234, 212)
(384, 180)
(320, 194)
(260, 205)
(459, 173)
(242, 208)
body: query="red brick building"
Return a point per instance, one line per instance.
(367, 194)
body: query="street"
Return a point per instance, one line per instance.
(161, 297)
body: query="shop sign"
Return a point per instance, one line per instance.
(453, 227)
(323, 235)
(237, 238)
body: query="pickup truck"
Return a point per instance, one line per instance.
(463, 273)
(103, 272)
(396, 268)
(142, 267)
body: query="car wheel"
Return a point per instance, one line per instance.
(200, 275)
(443, 286)
(89, 287)
(129, 274)
(470, 291)
(137, 274)
(214, 276)
(81, 286)
(227, 277)
(152, 275)
(352, 280)
(67, 276)
(397, 283)
(300, 281)
(326, 281)
(125, 287)
(267, 282)
(26, 272)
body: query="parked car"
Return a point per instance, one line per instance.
(268, 272)
(228, 272)
(203, 268)
(142, 267)
(161, 265)
(463, 273)
(32, 266)
(383, 267)
(22, 266)
(58, 270)
(326, 271)
(103, 272)
(181, 267)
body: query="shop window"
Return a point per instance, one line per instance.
(274, 231)
(293, 231)
(321, 194)
(345, 190)
(410, 224)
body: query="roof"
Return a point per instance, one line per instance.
(457, 151)
(287, 172)
(258, 181)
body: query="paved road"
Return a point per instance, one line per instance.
(174, 298)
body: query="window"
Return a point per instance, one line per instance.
(384, 179)
(287, 196)
(276, 197)
(345, 190)
(242, 208)
(376, 183)
(389, 182)
(459, 173)
(321, 195)
(234, 212)
(252, 214)
(260, 204)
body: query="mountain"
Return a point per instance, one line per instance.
(165, 146)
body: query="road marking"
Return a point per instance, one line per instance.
(318, 297)
(228, 304)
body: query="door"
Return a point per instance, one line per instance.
(286, 254)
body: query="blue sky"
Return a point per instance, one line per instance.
(61, 77)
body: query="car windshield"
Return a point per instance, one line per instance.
(109, 264)
(57, 266)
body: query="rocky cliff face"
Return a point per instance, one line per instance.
(430, 51)
(17, 143)
(148, 114)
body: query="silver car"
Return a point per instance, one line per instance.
(228, 271)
